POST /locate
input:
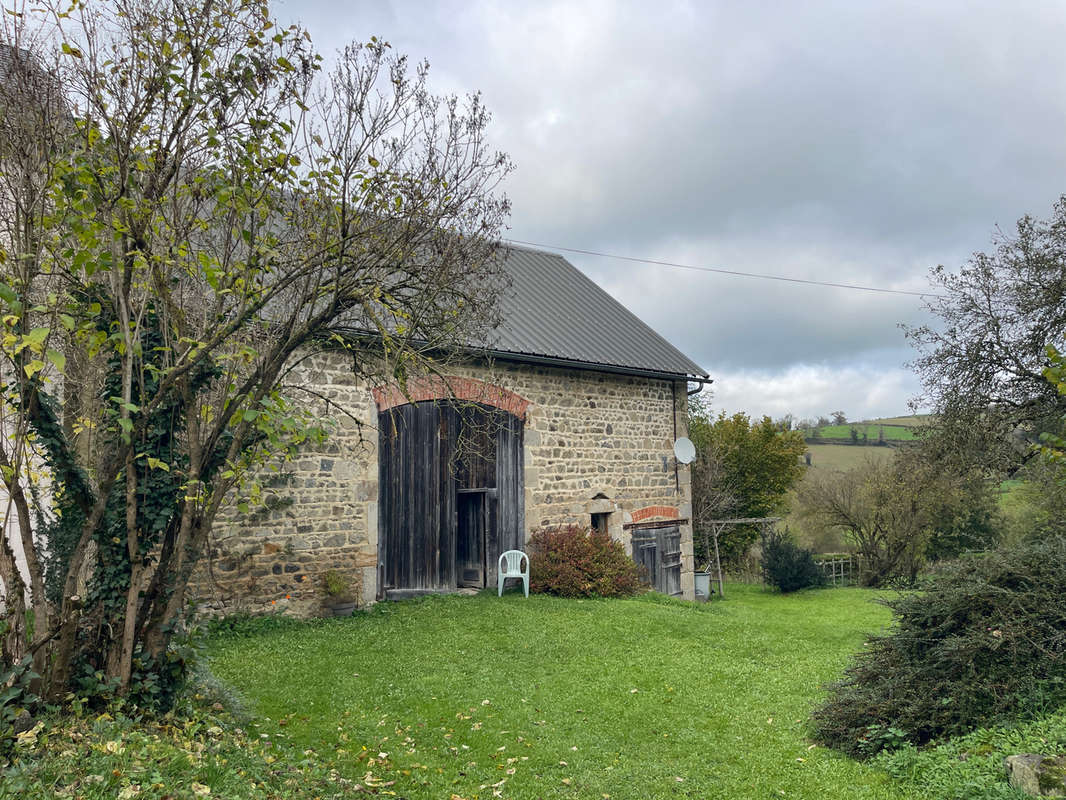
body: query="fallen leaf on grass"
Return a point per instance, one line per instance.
(29, 738)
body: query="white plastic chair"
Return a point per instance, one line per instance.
(511, 566)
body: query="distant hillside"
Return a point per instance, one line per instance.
(833, 448)
(915, 421)
(888, 430)
(837, 458)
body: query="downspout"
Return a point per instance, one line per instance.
(673, 404)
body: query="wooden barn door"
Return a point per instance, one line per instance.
(451, 495)
(658, 550)
(509, 500)
(416, 498)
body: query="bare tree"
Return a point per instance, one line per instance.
(982, 364)
(714, 495)
(210, 210)
(878, 512)
(899, 513)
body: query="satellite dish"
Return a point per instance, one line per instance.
(685, 450)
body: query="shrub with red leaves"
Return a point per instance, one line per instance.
(571, 561)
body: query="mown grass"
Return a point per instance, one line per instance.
(720, 696)
(646, 698)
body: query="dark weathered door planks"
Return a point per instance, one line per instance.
(470, 537)
(430, 456)
(509, 507)
(658, 549)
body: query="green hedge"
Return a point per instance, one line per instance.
(983, 641)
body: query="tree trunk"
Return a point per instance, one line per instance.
(129, 627)
(13, 646)
(157, 639)
(70, 611)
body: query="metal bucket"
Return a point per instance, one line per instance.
(703, 586)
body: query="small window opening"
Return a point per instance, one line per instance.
(599, 523)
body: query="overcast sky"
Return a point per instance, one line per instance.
(853, 142)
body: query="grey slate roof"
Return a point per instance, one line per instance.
(554, 313)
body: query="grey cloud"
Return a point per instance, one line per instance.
(854, 142)
(731, 323)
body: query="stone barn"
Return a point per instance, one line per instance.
(569, 417)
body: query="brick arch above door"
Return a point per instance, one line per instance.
(650, 513)
(437, 387)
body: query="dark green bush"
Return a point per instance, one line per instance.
(16, 699)
(570, 561)
(788, 567)
(982, 642)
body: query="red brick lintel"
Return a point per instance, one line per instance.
(648, 512)
(436, 387)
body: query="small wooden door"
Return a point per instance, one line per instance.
(475, 522)
(658, 551)
(670, 560)
(470, 539)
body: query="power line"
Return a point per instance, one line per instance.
(725, 271)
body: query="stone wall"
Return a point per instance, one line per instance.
(321, 513)
(595, 443)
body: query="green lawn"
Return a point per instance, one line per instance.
(470, 696)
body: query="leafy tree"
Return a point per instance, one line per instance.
(1038, 504)
(964, 516)
(982, 363)
(1035, 506)
(839, 418)
(714, 491)
(192, 211)
(743, 469)
(1054, 444)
